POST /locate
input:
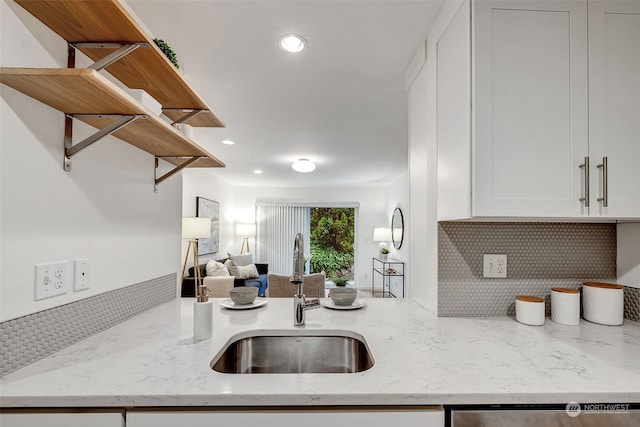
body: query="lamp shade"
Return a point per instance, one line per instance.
(381, 234)
(245, 230)
(196, 228)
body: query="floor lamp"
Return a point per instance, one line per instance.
(246, 231)
(194, 229)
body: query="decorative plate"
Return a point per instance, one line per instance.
(228, 303)
(328, 303)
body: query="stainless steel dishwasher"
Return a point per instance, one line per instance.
(565, 415)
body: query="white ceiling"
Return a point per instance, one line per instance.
(341, 102)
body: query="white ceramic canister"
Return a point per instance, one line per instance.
(530, 310)
(603, 303)
(202, 320)
(565, 306)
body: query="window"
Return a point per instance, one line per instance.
(332, 241)
(329, 236)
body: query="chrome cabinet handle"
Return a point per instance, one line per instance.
(585, 165)
(605, 182)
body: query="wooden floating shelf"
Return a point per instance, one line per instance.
(103, 21)
(85, 92)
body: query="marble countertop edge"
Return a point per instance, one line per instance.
(359, 399)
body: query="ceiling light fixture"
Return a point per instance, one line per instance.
(292, 43)
(303, 166)
(227, 142)
(257, 171)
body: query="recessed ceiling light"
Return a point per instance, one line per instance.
(303, 166)
(257, 171)
(292, 43)
(227, 142)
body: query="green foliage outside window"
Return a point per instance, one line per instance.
(332, 236)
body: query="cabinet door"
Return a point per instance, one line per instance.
(614, 106)
(279, 418)
(61, 419)
(529, 108)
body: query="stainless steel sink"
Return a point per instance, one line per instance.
(294, 352)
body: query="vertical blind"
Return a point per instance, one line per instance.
(276, 230)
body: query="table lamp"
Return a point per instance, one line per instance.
(382, 235)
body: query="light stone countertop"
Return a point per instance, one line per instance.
(420, 359)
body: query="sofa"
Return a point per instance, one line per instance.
(260, 282)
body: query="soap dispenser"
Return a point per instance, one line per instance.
(202, 315)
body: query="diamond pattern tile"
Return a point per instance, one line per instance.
(632, 303)
(539, 256)
(29, 338)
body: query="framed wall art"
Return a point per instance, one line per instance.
(206, 208)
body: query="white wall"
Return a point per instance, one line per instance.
(104, 210)
(423, 256)
(629, 254)
(423, 153)
(372, 213)
(203, 183)
(398, 197)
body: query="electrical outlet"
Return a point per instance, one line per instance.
(495, 266)
(81, 274)
(51, 279)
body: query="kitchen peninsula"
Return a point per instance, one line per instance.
(152, 361)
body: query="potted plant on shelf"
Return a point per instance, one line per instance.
(168, 51)
(384, 253)
(340, 281)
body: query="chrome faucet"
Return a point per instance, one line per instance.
(300, 303)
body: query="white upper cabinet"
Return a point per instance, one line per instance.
(530, 110)
(614, 107)
(553, 87)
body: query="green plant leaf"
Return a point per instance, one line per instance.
(168, 51)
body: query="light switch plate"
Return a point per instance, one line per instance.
(495, 266)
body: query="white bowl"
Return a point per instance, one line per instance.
(343, 296)
(243, 295)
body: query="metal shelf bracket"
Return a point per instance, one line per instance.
(123, 49)
(70, 149)
(190, 114)
(173, 171)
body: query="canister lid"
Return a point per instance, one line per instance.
(529, 298)
(603, 285)
(566, 290)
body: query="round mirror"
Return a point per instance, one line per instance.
(397, 228)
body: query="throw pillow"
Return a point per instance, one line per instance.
(242, 271)
(215, 268)
(244, 259)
